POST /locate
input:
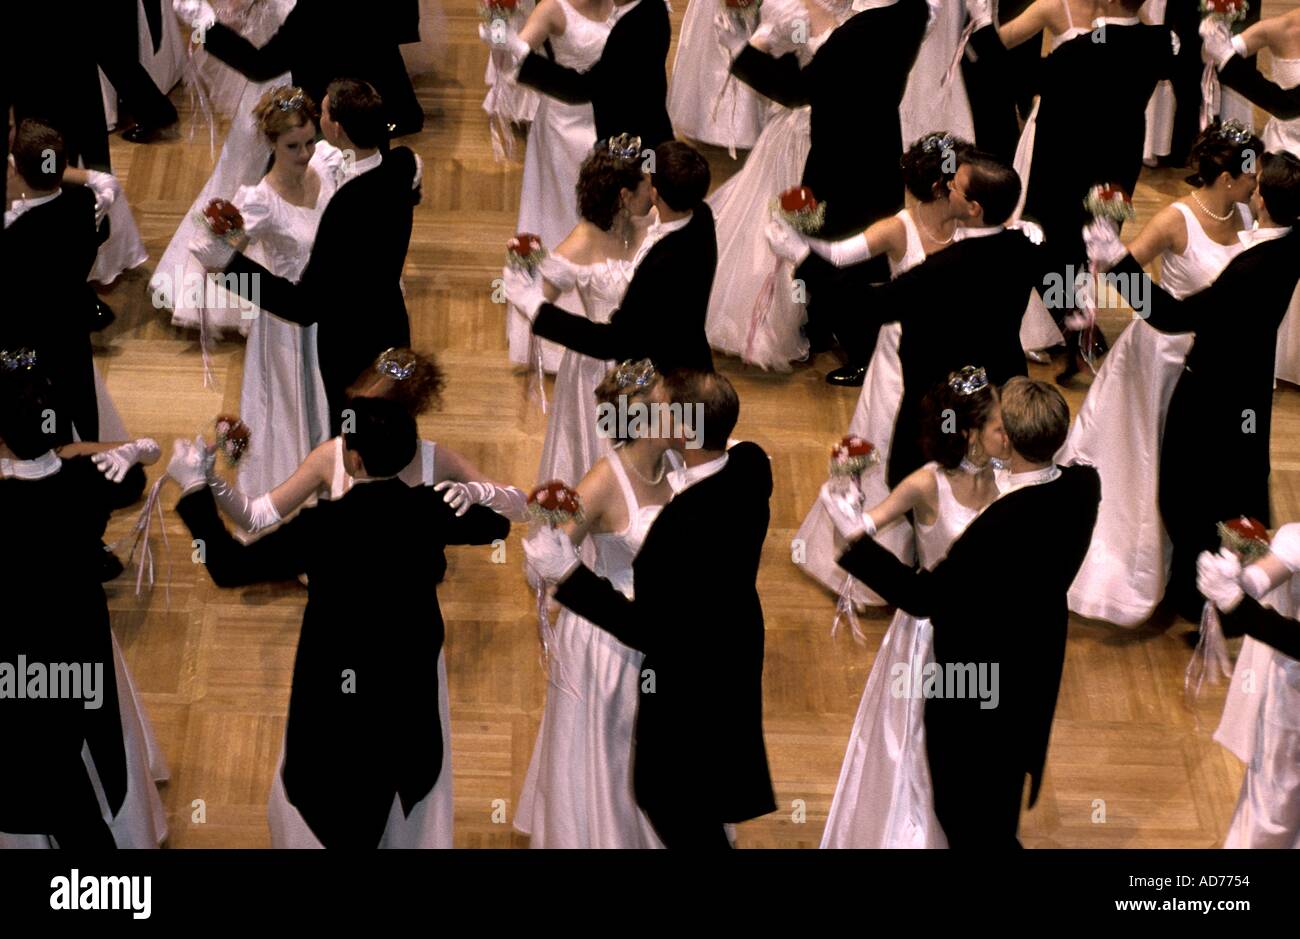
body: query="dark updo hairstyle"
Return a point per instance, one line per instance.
(943, 437)
(405, 376)
(931, 162)
(631, 380)
(601, 179)
(1220, 149)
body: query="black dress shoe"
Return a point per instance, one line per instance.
(141, 134)
(103, 316)
(850, 376)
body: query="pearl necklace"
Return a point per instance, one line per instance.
(1218, 218)
(925, 230)
(659, 477)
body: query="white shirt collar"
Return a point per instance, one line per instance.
(366, 165)
(655, 233)
(1010, 482)
(45, 465)
(20, 206)
(1254, 235)
(682, 479)
(967, 231)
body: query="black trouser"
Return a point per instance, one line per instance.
(681, 825)
(839, 304)
(977, 789)
(119, 57)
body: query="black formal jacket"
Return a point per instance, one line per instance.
(662, 314)
(697, 618)
(1251, 618)
(855, 84)
(941, 332)
(373, 560)
(627, 87)
(1229, 374)
(997, 598)
(56, 612)
(351, 285)
(1242, 76)
(318, 43)
(47, 255)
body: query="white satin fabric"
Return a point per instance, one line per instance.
(705, 102)
(1285, 135)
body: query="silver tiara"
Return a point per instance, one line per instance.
(969, 380)
(639, 374)
(939, 140)
(1234, 132)
(625, 146)
(398, 364)
(18, 359)
(294, 102)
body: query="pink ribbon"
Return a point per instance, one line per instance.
(536, 387)
(951, 74)
(1209, 662)
(1211, 95)
(195, 85)
(762, 308)
(140, 536)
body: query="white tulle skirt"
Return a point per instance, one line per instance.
(705, 102)
(578, 790)
(428, 826)
(753, 313)
(1118, 431)
(884, 798)
(817, 545)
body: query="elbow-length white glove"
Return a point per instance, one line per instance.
(252, 515)
(115, 463)
(507, 501)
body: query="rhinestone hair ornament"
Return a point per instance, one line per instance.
(398, 364)
(294, 102)
(1234, 132)
(635, 374)
(16, 360)
(940, 141)
(625, 147)
(969, 380)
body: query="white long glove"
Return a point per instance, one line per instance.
(524, 292)
(842, 253)
(1031, 230)
(106, 188)
(1101, 238)
(846, 512)
(252, 515)
(1218, 45)
(197, 14)
(1218, 578)
(186, 464)
(1285, 547)
(794, 246)
(786, 243)
(211, 250)
(981, 12)
(115, 463)
(729, 34)
(507, 501)
(551, 554)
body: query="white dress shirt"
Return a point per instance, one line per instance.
(656, 233)
(20, 206)
(963, 232)
(1254, 235)
(45, 465)
(1010, 482)
(682, 479)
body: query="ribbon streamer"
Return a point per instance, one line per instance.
(962, 40)
(763, 304)
(139, 535)
(536, 385)
(1211, 95)
(1209, 662)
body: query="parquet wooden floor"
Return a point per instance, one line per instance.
(214, 665)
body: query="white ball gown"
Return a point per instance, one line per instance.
(430, 823)
(573, 442)
(578, 789)
(559, 141)
(705, 103)
(282, 399)
(1261, 727)
(929, 102)
(244, 158)
(884, 797)
(873, 419)
(1118, 431)
(1285, 135)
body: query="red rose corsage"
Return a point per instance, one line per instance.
(800, 208)
(1245, 537)
(1106, 200)
(233, 437)
(555, 503)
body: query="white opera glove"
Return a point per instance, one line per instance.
(1101, 238)
(842, 253)
(1286, 545)
(1218, 578)
(186, 465)
(729, 34)
(1255, 581)
(210, 249)
(1031, 230)
(523, 291)
(198, 14)
(508, 501)
(115, 463)
(981, 12)
(106, 188)
(1216, 41)
(252, 515)
(786, 243)
(551, 554)
(846, 512)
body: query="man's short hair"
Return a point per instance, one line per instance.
(721, 406)
(382, 431)
(38, 154)
(359, 110)
(995, 185)
(1279, 186)
(681, 175)
(1035, 417)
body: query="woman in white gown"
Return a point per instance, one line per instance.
(705, 103)
(595, 261)
(282, 399)
(1280, 35)
(906, 239)
(1122, 420)
(559, 141)
(578, 790)
(416, 382)
(884, 799)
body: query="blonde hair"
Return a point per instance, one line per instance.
(284, 109)
(1035, 417)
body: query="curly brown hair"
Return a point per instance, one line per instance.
(418, 389)
(284, 109)
(601, 180)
